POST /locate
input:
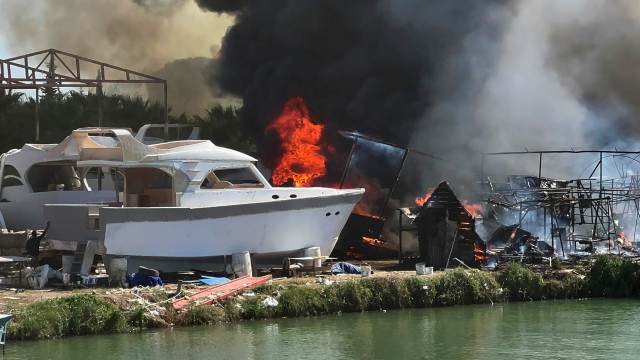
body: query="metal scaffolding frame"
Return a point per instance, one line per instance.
(70, 74)
(590, 202)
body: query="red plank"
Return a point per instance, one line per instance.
(221, 291)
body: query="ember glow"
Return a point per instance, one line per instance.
(421, 200)
(359, 209)
(355, 255)
(371, 241)
(480, 255)
(473, 209)
(303, 160)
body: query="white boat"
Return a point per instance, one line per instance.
(188, 203)
(41, 174)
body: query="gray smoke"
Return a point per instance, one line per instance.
(188, 91)
(453, 78)
(370, 66)
(142, 35)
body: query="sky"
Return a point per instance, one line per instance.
(3, 50)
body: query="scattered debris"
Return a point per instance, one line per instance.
(269, 302)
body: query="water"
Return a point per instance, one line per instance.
(586, 329)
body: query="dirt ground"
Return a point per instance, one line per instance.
(14, 297)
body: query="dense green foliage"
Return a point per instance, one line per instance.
(613, 276)
(456, 287)
(60, 113)
(72, 315)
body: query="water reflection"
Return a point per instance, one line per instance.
(590, 329)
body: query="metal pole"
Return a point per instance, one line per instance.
(37, 114)
(166, 114)
(482, 173)
(540, 172)
(404, 158)
(99, 88)
(544, 226)
(455, 235)
(553, 248)
(346, 168)
(601, 174)
(520, 215)
(399, 236)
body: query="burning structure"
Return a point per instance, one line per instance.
(572, 217)
(446, 230)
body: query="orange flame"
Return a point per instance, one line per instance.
(303, 160)
(371, 241)
(355, 255)
(421, 200)
(359, 209)
(625, 242)
(480, 255)
(473, 209)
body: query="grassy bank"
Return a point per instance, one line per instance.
(609, 276)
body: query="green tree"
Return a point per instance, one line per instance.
(61, 113)
(220, 125)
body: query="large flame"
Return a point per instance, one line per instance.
(480, 255)
(473, 209)
(303, 160)
(421, 200)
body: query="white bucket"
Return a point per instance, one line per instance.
(312, 252)
(428, 270)
(241, 264)
(365, 270)
(421, 269)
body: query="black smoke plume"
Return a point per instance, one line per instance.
(363, 65)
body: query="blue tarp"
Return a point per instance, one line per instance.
(207, 280)
(141, 280)
(210, 280)
(345, 268)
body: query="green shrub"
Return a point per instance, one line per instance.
(422, 291)
(72, 315)
(266, 289)
(201, 315)
(613, 276)
(352, 296)
(302, 301)
(460, 286)
(522, 283)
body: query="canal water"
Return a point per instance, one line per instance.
(569, 329)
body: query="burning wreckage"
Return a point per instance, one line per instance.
(528, 219)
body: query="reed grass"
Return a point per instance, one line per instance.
(609, 276)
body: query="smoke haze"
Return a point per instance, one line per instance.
(142, 35)
(451, 78)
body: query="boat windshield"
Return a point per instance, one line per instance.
(231, 179)
(53, 177)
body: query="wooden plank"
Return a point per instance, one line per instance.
(221, 291)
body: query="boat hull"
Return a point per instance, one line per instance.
(271, 230)
(25, 211)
